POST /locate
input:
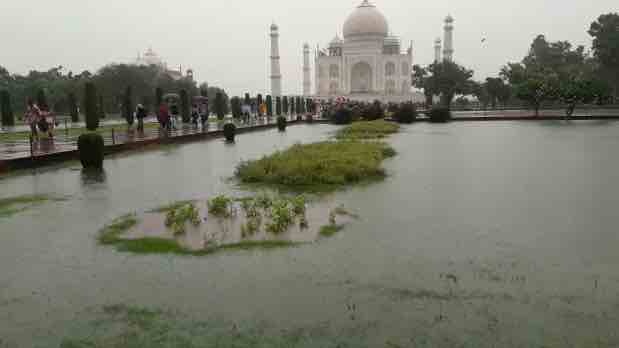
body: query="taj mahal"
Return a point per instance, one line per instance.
(367, 63)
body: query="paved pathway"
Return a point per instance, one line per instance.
(62, 141)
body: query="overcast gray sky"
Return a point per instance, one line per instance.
(226, 41)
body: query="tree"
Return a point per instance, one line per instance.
(247, 100)
(278, 106)
(420, 80)
(158, 97)
(494, 86)
(42, 100)
(235, 106)
(579, 91)
(297, 104)
(8, 119)
(480, 91)
(101, 108)
(285, 105)
(269, 102)
(73, 110)
(293, 109)
(605, 33)
(449, 79)
(204, 90)
(127, 106)
(219, 106)
(185, 110)
(537, 89)
(90, 107)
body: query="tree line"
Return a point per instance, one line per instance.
(551, 72)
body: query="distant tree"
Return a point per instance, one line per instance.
(298, 106)
(219, 106)
(537, 89)
(73, 111)
(127, 106)
(293, 108)
(235, 106)
(575, 92)
(101, 108)
(259, 101)
(480, 91)
(285, 105)
(8, 119)
(158, 97)
(247, 100)
(449, 79)
(185, 108)
(494, 85)
(269, 102)
(605, 33)
(90, 107)
(204, 90)
(42, 100)
(420, 80)
(303, 105)
(278, 106)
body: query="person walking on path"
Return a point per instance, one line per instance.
(164, 117)
(140, 114)
(33, 114)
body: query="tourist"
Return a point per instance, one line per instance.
(164, 117)
(45, 125)
(173, 115)
(32, 118)
(195, 115)
(140, 114)
(204, 114)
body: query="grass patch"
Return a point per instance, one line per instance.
(368, 130)
(168, 207)
(13, 205)
(330, 230)
(323, 166)
(111, 233)
(168, 246)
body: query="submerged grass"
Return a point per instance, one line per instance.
(111, 233)
(367, 130)
(330, 230)
(323, 166)
(168, 207)
(13, 205)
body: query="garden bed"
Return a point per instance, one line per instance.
(222, 223)
(368, 130)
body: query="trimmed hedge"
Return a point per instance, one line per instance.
(342, 116)
(91, 149)
(281, 123)
(8, 119)
(229, 132)
(439, 115)
(405, 113)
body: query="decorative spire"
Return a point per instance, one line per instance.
(366, 3)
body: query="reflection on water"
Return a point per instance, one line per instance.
(93, 176)
(485, 235)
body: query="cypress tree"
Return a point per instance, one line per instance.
(75, 117)
(128, 106)
(292, 106)
(298, 105)
(101, 108)
(219, 106)
(285, 105)
(247, 99)
(259, 102)
(8, 118)
(158, 97)
(269, 105)
(235, 105)
(278, 106)
(90, 106)
(185, 112)
(42, 100)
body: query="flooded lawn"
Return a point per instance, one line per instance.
(481, 235)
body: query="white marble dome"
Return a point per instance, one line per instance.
(366, 20)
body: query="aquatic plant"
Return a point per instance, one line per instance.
(281, 217)
(330, 230)
(368, 130)
(111, 233)
(178, 217)
(320, 166)
(299, 205)
(16, 204)
(220, 206)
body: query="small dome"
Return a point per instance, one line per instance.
(274, 27)
(366, 20)
(449, 19)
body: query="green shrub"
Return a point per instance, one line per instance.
(220, 206)
(324, 165)
(285, 105)
(373, 111)
(281, 217)
(269, 102)
(235, 107)
(342, 116)
(281, 123)
(128, 106)
(177, 218)
(405, 113)
(220, 108)
(439, 115)
(8, 119)
(229, 132)
(278, 106)
(368, 130)
(90, 106)
(91, 149)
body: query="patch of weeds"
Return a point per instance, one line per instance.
(282, 217)
(330, 230)
(178, 217)
(111, 233)
(166, 208)
(141, 317)
(299, 204)
(368, 130)
(220, 206)
(13, 205)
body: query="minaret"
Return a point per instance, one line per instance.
(276, 76)
(437, 50)
(448, 52)
(307, 83)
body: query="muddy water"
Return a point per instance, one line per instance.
(484, 235)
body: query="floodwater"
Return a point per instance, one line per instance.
(484, 235)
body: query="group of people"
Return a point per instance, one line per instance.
(167, 116)
(40, 119)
